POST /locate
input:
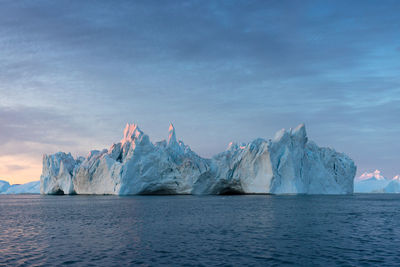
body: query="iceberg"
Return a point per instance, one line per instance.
(393, 186)
(288, 164)
(375, 182)
(4, 185)
(372, 182)
(28, 188)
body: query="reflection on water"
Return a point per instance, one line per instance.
(211, 230)
(21, 237)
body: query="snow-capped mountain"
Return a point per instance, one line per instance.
(289, 163)
(28, 188)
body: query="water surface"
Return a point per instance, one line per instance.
(259, 230)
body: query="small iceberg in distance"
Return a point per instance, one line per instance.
(28, 188)
(288, 164)
(4, 185)
(375, 182)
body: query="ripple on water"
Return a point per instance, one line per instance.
(187, 230)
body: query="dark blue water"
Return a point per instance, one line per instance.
(213, 230)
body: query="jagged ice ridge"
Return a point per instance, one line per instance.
(289, 163)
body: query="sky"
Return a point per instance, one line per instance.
(73, 73)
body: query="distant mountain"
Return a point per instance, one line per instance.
(28, 188)
(375, 182)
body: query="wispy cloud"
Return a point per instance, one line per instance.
(72, 73)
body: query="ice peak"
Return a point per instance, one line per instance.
(171, 135)
(397, 177)
(131, 132)
(300, 130)
(300, 133)
(232, 146)
(280, 135)
(376, 174)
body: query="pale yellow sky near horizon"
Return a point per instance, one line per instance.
(12, 171)
(20, 168)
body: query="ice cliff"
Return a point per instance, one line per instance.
(4, 185)
(289, 163)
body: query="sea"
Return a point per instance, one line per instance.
(237, 230)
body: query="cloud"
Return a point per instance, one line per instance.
(72, 73)
(26, 133)
(37, 130)
(32, 124)
(15, 167)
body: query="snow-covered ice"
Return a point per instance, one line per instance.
(370, 182)
(289, 163)
(375, 182)
(28, 188)
(4, 185)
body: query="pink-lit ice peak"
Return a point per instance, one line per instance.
(171, 135)
(368, 175)
(131, 132)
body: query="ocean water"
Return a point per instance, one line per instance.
(262, 230)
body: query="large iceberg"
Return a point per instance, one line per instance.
(288, 164)
(28, 188)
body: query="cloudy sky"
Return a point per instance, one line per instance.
(73, 73)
